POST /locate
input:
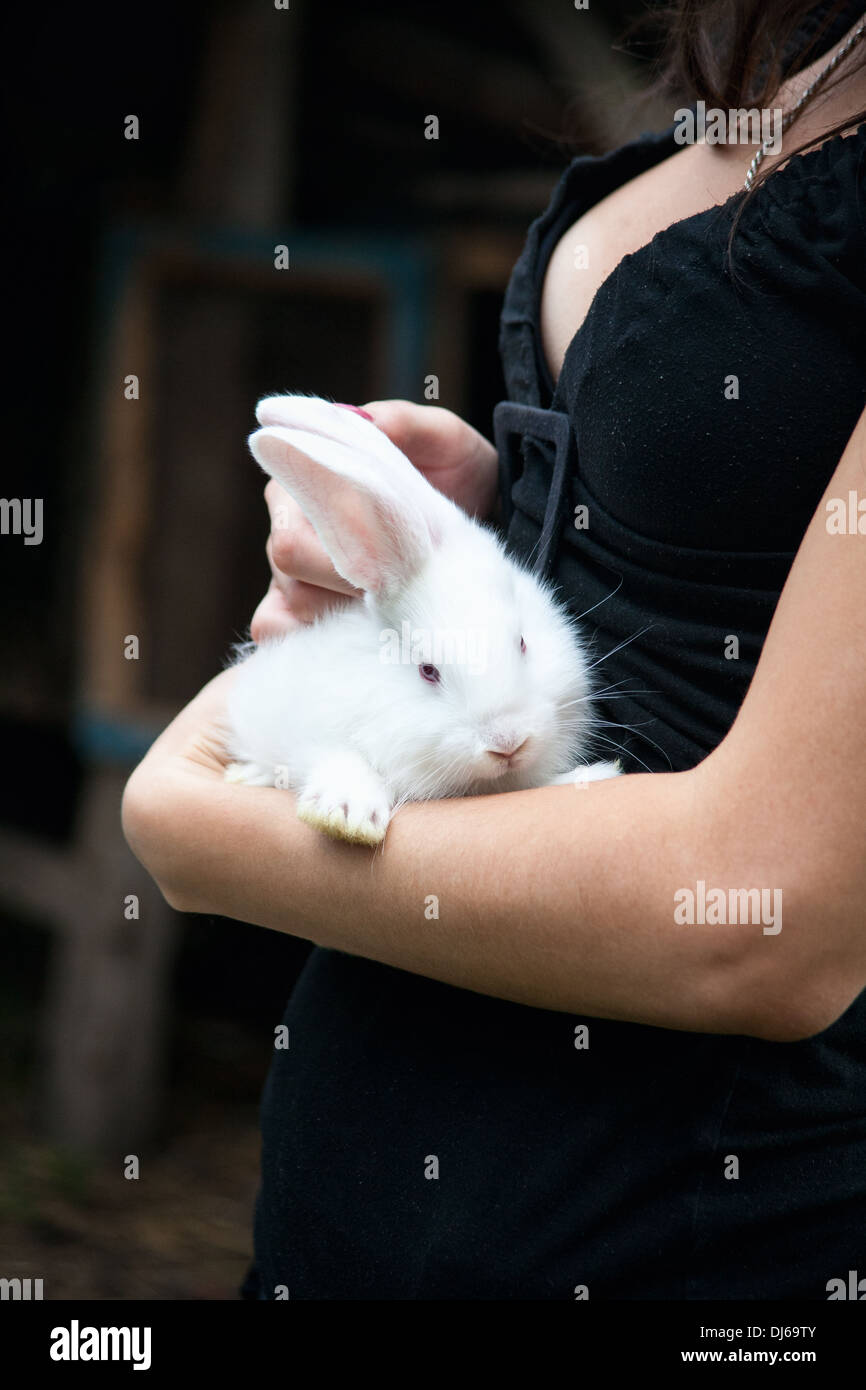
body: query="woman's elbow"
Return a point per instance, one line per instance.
(792, 991)
(144, 813)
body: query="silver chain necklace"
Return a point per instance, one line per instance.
(810, 91)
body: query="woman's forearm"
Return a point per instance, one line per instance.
(566, 898)
(561, 898)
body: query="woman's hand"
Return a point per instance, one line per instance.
(452, 456)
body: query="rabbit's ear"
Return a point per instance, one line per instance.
(377, 538)
(374, 451)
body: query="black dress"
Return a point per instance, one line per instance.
(606, 1166)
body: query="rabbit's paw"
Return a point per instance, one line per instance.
(347, 800)
(249, 774)
(593, 772)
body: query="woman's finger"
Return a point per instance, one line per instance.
(305, 601)
(290, 604)
(295, 551)
(273, 617)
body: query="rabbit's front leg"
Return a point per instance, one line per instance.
(345, 798)
(593, 772)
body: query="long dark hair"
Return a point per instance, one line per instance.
(738, 53)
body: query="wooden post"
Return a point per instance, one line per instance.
(104, 1018)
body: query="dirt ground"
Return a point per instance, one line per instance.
(183, 1230)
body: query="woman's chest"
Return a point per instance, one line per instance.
(709, 408)
(694, 179)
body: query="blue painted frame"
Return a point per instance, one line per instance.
(404, 266)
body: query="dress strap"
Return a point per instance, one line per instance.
(512, 423)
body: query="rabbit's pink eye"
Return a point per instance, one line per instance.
(522, 645)
(430, 673)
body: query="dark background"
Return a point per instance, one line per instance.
(155, 256)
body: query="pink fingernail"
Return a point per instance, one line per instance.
(357, 409)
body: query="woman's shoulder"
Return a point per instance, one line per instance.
(828, 180)
(813, 209)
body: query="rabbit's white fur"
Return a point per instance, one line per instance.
(339, 710)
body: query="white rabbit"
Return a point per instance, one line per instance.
(456, 674)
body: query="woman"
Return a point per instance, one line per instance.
(559, 1087)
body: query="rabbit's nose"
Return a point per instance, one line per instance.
(507, 749)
